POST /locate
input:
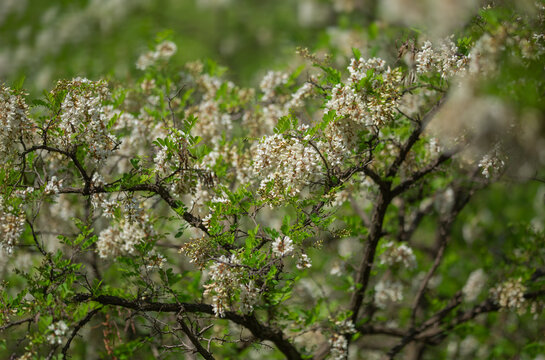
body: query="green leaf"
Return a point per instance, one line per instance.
(333, 76)
(356, 52)
(283, 125)
(18, 84)
(135, 162)
(39, 102)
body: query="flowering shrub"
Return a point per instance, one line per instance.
(302, 219)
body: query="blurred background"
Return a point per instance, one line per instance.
(48, 40)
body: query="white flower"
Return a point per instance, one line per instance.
(345, 327)
(155, 261)
(303, 262)
(446, 60)
(146, 60)
(401, 254)
(121, 239)
(249, 296)
(286, 162)
(58, 330)
(165, 49)
(12, 223)
(282, 246)
(53, 186)
(491, 164)
(339, 347)
(270, 82)
(387, 291)
(218, 306)
(474, 285)
(14, 122)
(510, 295)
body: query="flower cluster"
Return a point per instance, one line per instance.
(286, 163)
(396, 255)
(339, 347)
(510, 295)
(274, 104)
(199, 250)
(12, 222)
(213, 123)
(121, 239)
(491, 164)
(249, 296)
(474, 285)
(347, 103)
(345, 327)
(227, 279)
(388, 291)
(84, 119)
(271, 81)
(282, 246)
(367, 98)
(58, 330)
(446, 60)
(154, 260)
(14, 122)
(303, 262)
(359, 69)
(163, 50)
(53, 186)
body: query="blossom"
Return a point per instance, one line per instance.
(84, 118)
(287, 163)
(394, 255)
(446, 60)
(165, 49)
(345, 326)
(339, 347)
(15, 124)
(387, 291)
(12, 222)
(146, 60)
(510, 295)
(218, 306)
(474, 285)
(227, 280)
(282, 246)
(53, 186)
(154, 261)
(249, 296)
(58, 330)
(491, 163)
(121, 239)
(303, 262)
(271, 81)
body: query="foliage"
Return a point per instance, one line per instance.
(366, 210)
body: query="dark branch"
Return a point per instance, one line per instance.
(205, 353)
(258, 329)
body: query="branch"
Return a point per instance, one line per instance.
(15, 323)
(415, 135)
(259, 330)
(366, 264)
(78, 327)
(38, 245)
(153, 188)
(205, 353)
(71, 155)
(407, 183)
(443, 237)
(488, 305)
(434, 320)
